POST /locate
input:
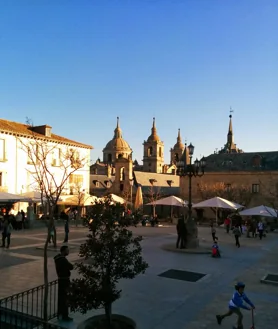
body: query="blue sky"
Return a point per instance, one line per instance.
(77, 65)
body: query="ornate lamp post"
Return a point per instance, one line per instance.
(196, 169)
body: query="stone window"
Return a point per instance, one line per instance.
(96, 183)
(122, 174)
(255, 188)
(256, 161)
(150, 151)
(177, 157)
(1, 179)
(109, 158)
(160, 152)
(2, 149)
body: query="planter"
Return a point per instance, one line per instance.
(98, 322)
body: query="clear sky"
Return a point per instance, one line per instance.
(77, 65)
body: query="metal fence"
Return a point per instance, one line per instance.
(31, 302)
(15, 320)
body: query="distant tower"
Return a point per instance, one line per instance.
(123, 176)
(117, 147)
(230, 146)
(230, 136)
(153, 159)
(177, 151)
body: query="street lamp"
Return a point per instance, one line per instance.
(190, 170)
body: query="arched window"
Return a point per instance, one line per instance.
(122, 174)
(109, 158)
(160, 152)
(176, 157)
(150, 151)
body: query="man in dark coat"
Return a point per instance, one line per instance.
(63, 269)
(181, 231)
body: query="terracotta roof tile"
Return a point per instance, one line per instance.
(20, 129)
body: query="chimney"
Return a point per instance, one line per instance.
(43, 130)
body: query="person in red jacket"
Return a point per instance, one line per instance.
(227, 224)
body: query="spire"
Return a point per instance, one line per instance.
(118, 131)
(230, 125)
(153, 136)
(154, 127)
(179, 136)
(230, 136)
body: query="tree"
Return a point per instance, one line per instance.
(240, 194)
(126, 195)
(51, 183)
(271, 192)
(82, 198)
(153, 194)
(111, 253)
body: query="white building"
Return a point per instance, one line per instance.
(17, 170)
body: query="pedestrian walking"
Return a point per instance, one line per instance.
(63, 270)
(237, 234)
(237, 303)
(261, 229)
(181, 232)
(213, 232)
(227, 224)
(65, 217)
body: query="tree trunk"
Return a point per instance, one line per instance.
(108, 314)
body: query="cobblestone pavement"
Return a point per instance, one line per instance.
(159, 303)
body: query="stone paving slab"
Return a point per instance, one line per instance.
(159, 303)
(7, 261)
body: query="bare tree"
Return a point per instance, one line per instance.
(236, 193)
(153, 194)
(126, 195)
(50, 184)
(271, 193)
(82, 198)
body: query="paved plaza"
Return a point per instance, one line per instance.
(156, 302)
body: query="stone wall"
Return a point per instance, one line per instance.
(267, 181)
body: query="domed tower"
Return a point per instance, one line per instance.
(117, 147)
(177, 151)
(153, 159)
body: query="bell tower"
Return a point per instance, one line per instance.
(123, 175)
(177, 151)
(153, 159)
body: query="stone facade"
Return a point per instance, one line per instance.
(261, 184)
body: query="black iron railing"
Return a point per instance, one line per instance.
(31, 302)
(15, 320)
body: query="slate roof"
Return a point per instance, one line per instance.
(251, 161)
(169, 184)
(102, 180)
(24, 130)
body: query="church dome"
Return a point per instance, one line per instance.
(117, 143)
(153, 136)
(179, 145)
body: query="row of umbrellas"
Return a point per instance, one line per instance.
(217, 203)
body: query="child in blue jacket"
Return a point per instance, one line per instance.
(235, 304)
